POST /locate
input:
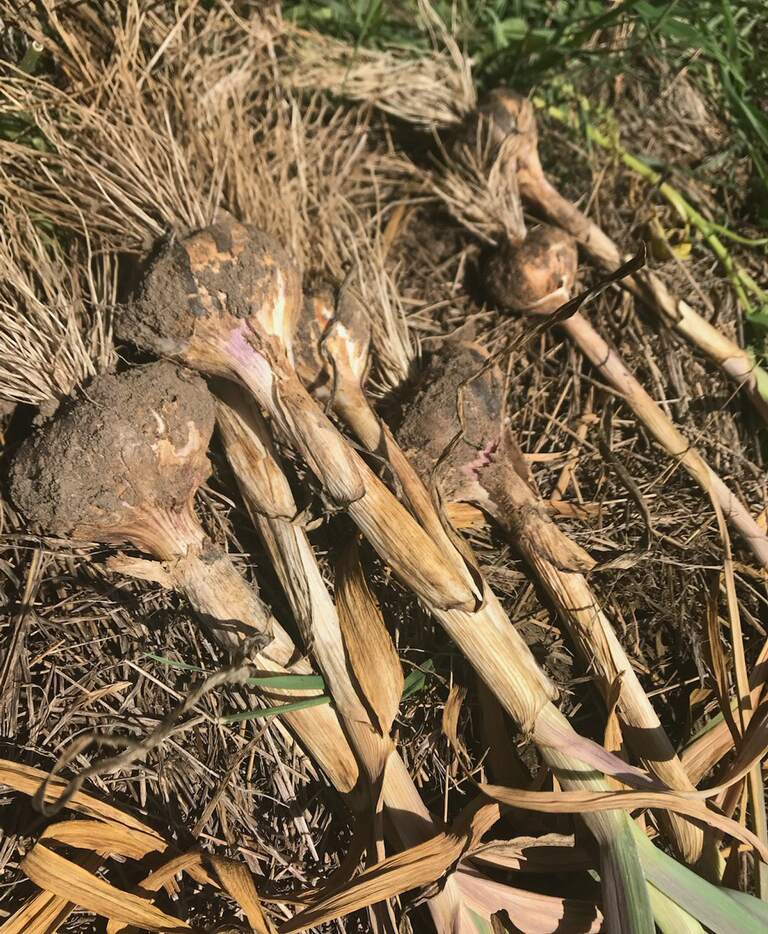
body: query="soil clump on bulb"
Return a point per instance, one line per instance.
(227, 268)
(443, 424)
(535, 276)
(74, 476)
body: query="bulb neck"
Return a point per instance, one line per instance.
(167, 534)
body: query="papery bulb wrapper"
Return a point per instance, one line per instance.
(536, 276)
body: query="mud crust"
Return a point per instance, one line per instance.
(431, 421)
(519, 277)
(225, 268)
(134, 439)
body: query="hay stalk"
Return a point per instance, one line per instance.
(250, 451)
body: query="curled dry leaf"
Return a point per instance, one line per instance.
(451, 712)
(563, 802)
(372, 656)
(237, 882)
(46, 912)
(530, 912)
(106, 840)
(28, 780)
(423, 865)
(550, 852)
(418, 866)
(64, 878)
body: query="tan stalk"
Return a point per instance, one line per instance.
(613, 369)
(251, 454)
(346, 344)
(250, 349)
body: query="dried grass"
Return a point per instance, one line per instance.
(152, 151)
(54, 311)
(434, 88)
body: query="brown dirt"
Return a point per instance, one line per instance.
(225, 268)
(431, 421)
(126, 442)
(157, 319)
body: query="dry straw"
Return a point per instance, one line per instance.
(54, 321)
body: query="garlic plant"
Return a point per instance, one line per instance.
(122, 465)
(193, 306)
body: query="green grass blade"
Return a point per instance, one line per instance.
(417, 679)
(720, 910)
(276, 711)
(287, 682)
(626, 899)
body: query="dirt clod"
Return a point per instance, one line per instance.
(227, 268)
(135, 439)
(431, 420)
